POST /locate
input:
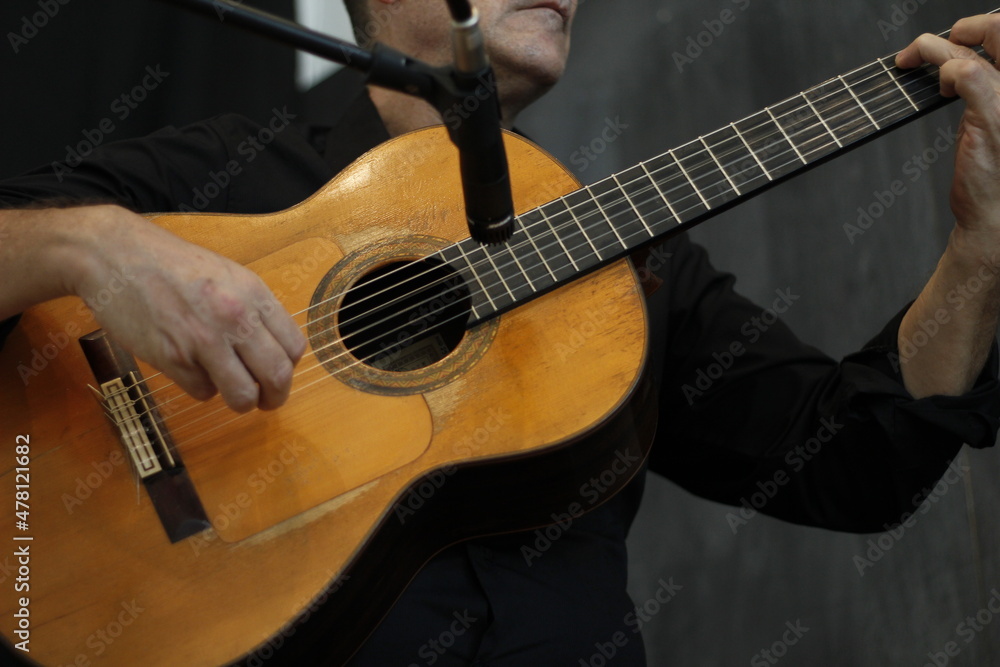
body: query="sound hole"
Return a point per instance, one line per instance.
(405, 315)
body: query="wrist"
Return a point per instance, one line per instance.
(74, 241)
(973, 246)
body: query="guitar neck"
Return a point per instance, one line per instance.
(600, 223)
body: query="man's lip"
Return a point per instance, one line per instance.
(558, 7)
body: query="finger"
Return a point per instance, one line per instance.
(284, 329)
(976, 30)
(975, 81)
(270, 366)
(933, 49)
(235, 383)
(194, 381)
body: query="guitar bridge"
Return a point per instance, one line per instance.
(142, 433)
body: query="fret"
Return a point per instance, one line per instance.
(596, 228)
(625, 218)
(509, 269)
(607, 216)
(858, 100)
(549, 246)
(675, 187)
(532, 257)
(719, 165)
(742, 168)
(496, 291)
(821, 120)
(666, 201)
(880, 94)
(566, 235)
(922, 85)
(800, 123)
(768, 144)
(898, 84)
(754, 155)
(701, 172)
(785, 135)
(509, 248)
(840, 111)
(631, 202)
(457, 260)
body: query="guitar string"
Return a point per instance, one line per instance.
(569, 209)
(771, 134)
(888, 86)
(682, 181)
(355, 362)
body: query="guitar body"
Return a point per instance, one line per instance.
(327, 507)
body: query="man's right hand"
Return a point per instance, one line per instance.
(206, 322)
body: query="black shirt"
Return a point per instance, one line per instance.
(744, 405)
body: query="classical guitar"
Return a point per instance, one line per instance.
(448, 391)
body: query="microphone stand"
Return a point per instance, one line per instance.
(465, 96)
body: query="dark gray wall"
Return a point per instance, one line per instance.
(740, 590)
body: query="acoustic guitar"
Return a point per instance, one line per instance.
(449, 391)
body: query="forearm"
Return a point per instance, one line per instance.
(946, 335)
(43, 254)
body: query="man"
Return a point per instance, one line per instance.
(550, 610)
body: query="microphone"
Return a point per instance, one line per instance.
(475, 129)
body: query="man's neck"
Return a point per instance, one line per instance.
(403, 113)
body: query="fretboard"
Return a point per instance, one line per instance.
(605, 221)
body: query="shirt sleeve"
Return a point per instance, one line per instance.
(752, 417)
(225, 164)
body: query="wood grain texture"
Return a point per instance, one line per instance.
(326, 481)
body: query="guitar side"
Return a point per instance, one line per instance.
(307, 503)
